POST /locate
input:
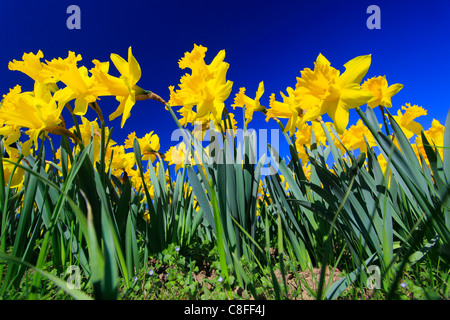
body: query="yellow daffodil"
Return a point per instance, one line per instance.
(206, 87)
(90, 129)
(382, 93)
(353, 138)
(307, 170)
(11, 134)
(121, 160)
(435, 137)
(124, 88)
(303, 138)
(138, 183)
(288, 109)
(18, 176)
(79, 85)
(58, 158)
(180, 156)
(406, 120)
(32, 66)
(251, 105)
(219, 126)
(318, 82)
(337, 93)
(149, 145)
(176, 155)
(37, 111)
(187, 115)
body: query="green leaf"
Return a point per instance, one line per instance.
(418, 255)
(336, 289)
(220, 241)
(75, 293)
(202, 199)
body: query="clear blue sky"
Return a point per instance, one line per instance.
(268, 41)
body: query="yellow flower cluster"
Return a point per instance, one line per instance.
(320, 91)
(356, 136)
(325, 90)
(201, 96)
(40, 110)
(206, 88)
(56, 84)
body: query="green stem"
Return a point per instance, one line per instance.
(385, 120)
(76, 124)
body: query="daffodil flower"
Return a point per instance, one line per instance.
(120, 160)
(19, 173)
(32, 66)
(91, 129)
(124, 88)
(337, 92)
(79, 85)
(206, 87)
(435, 136)
(406, 120)
(382, 93)
(11, 134)
(288, 109)
(37, 111)
(176, 155)
(353, 138)
(251, 105)
(303, 138)
(149, 145)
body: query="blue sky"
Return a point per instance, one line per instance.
(268, 41)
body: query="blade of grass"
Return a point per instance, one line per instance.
(328, 242)
(220, 242)
(75, 293)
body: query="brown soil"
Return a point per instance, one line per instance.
(300, 286)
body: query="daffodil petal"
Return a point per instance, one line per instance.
(327, 107)
(120, 63)
(353, 96)
(260, 90)
(355, 70)
(129, 103)
(415, 127)
(134, 68)
(64, 95)
(81, 105)
(340, 119)
(322, 60)
(393, 89)
(217, 61)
